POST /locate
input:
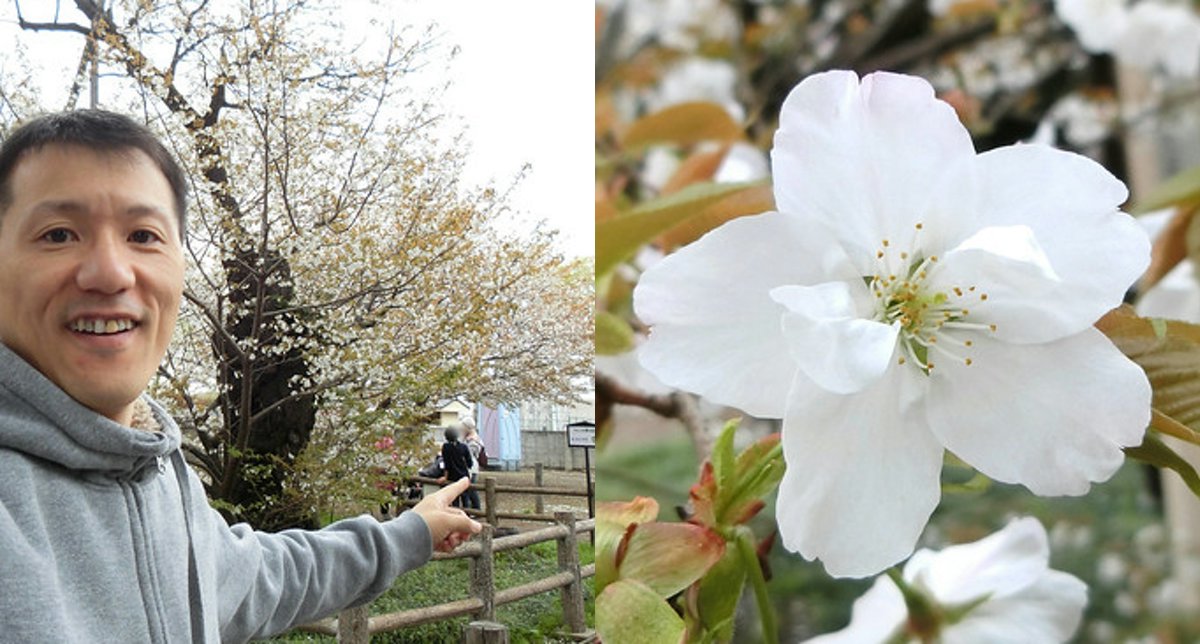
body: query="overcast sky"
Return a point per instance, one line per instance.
(524, 87)
(521, 88)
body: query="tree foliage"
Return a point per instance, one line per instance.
(342, 280)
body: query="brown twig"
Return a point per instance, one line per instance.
(614, 392)
(677, 404)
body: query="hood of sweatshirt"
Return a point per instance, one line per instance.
(40, 419)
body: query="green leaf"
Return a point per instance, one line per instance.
(1181, 189)
(730, 489)
(618, 238)
(1160, 327)
(724, 464)
(1155, 452)
(641, 509)
(669, 557)
(717, 596)
(613, 335)
(760, 467)
(628, 611)
(683, 124)
(613, 518)
(1169, 352)
(977, 484)
(608, 540)
(751, 201)
(1164, 424)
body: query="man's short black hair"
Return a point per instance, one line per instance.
(98, 130)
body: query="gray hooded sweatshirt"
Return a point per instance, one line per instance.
(106, 536)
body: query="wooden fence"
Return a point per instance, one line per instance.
(491, 489)
(355, 626)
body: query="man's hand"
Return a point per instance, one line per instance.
(449, 526)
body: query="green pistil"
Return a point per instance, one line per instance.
(908, 305)
(902, 299)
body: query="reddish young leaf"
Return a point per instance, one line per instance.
(668, 557)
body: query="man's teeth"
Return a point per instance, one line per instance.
(102, 326)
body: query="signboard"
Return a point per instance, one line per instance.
(582, 434)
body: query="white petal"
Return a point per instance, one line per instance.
(875, 617)
(1099, 24)
(715, 329)
(872, 159)
(1070, 203)
(862, 478)
(1052, 417)
(742, 365)
(1014, 243)
(1000, 275)
(1046, 612)
(835, 347)
(1001, 564)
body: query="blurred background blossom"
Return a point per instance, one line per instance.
(687, 99)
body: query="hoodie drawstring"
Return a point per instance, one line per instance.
(195, 602)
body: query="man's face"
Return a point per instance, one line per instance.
(91, 272)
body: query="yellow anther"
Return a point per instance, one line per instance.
(885, 243)
(968, 362)
(983, 296)
(992, 327)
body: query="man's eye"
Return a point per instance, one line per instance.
(58, 236)
(144, 237)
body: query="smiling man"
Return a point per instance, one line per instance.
(91, 270)
(105, 533)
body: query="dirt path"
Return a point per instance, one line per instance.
(526, 503)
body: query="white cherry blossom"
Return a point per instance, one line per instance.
(1161, 35)
(909, 297)
(1099, 24)
(1148, 35)
(1001, 588)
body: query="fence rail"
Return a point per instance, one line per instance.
(355, 626)
(491, 489)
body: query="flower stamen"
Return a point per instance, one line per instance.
(925, 316)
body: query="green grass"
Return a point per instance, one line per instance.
(532, 620)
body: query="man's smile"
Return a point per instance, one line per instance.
(102, 326)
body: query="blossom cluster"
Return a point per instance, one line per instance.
(999, 589)
(1150, 34)
(909, 297)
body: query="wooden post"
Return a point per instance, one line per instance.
(489, 497)
(537, 480)
(568, 561)
(352, 625)
(483, 585)
(485, 633)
